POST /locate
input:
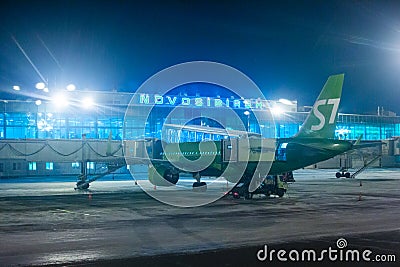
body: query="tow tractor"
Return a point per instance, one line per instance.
(272, 185)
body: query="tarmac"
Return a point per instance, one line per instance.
(45, 222)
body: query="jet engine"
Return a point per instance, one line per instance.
(163, 176)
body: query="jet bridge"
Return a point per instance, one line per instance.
(44, 150)
(134, 151)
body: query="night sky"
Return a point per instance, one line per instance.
(288, 48)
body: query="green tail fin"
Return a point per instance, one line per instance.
(321, 122)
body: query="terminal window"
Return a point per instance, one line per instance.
(32, 166)
(49, 166)
(75, 165)
(17, 166)
(90, 165)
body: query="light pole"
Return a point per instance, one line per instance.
(247, 113)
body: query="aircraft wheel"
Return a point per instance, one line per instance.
(235, 195)
(338, 175)
(280, 192)
(199, 186)
(347, 175)
(82, 185)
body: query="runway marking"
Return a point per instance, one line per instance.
(64, 210)
(70, 212)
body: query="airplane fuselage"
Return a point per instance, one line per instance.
(290, 154)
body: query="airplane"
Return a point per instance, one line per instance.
(312, 144)
(272, 160)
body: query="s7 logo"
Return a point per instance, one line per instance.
(320, 116)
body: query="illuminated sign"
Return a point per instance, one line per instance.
(148, 99)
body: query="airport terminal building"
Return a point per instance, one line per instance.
(26, 119)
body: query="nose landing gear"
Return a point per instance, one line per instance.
(199, 186)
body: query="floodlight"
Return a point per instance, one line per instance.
(71, 87)
(285, 101)
(40, 86)
(87, 102)
(16, 88)
(38, 102)
(60, 100)
(277, 110)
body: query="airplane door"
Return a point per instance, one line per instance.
(230, 150)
